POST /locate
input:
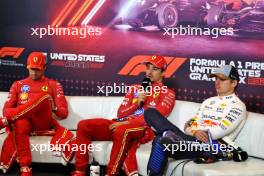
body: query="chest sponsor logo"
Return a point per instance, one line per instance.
(25, 88)
(212, 103)
(136, 94)
(209, 123)
(194, 124)
(135, 100)
(235, 112)
(223, 105)
(220, 109)
(155, 95)
(230, 119)
(229, 97)
(211, 117)
(208, 107)
(222, 126)
(225, 123)
(24, 96)
(44, 88)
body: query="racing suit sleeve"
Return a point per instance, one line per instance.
(166, 103)
(230, 121)
(11, 101)
(59, 100)
(127, 107)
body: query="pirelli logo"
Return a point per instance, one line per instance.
(134, 66)
(13, 52)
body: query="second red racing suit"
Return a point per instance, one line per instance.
(29, 111)
(125, 137)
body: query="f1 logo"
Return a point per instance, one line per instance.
(11, 51)
(134, 66)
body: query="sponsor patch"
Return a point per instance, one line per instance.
(223, 105)
(212, 103)
(136, 94)
(225, 123)
(220, 110)
(139, 112)
(23, 96)
(45, 88)
(25, 88)
(222, 126)
(210, 123)
(125, 102)
(135, 100)
(230, 119)
(232, 111)
(155, 95)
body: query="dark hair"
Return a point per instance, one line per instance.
(236, 85)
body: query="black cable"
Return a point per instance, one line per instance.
(187, 161)
(176, 167)
(256, 157)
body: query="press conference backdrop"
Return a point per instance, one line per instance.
(95, 47)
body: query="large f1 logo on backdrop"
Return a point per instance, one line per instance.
(134, 66)
(11, 51)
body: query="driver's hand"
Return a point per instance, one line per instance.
(113, 126)
(201, 135)
(141, 98)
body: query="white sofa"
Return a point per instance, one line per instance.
(250, 139)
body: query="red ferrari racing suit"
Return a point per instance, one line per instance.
(29, 111)
(125, 137)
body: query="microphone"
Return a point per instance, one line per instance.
(146, 83)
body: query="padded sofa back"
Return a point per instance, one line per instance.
(90, 107)
(250, 139)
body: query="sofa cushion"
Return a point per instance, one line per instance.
(90, 107)
(183, 111)
(251, 137)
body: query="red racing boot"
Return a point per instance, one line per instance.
(26, 171)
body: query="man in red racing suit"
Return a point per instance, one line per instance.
(129, 129)
(30, 108)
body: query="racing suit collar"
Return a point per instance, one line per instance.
(227, 97)
(156, 84)
(43, 78)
